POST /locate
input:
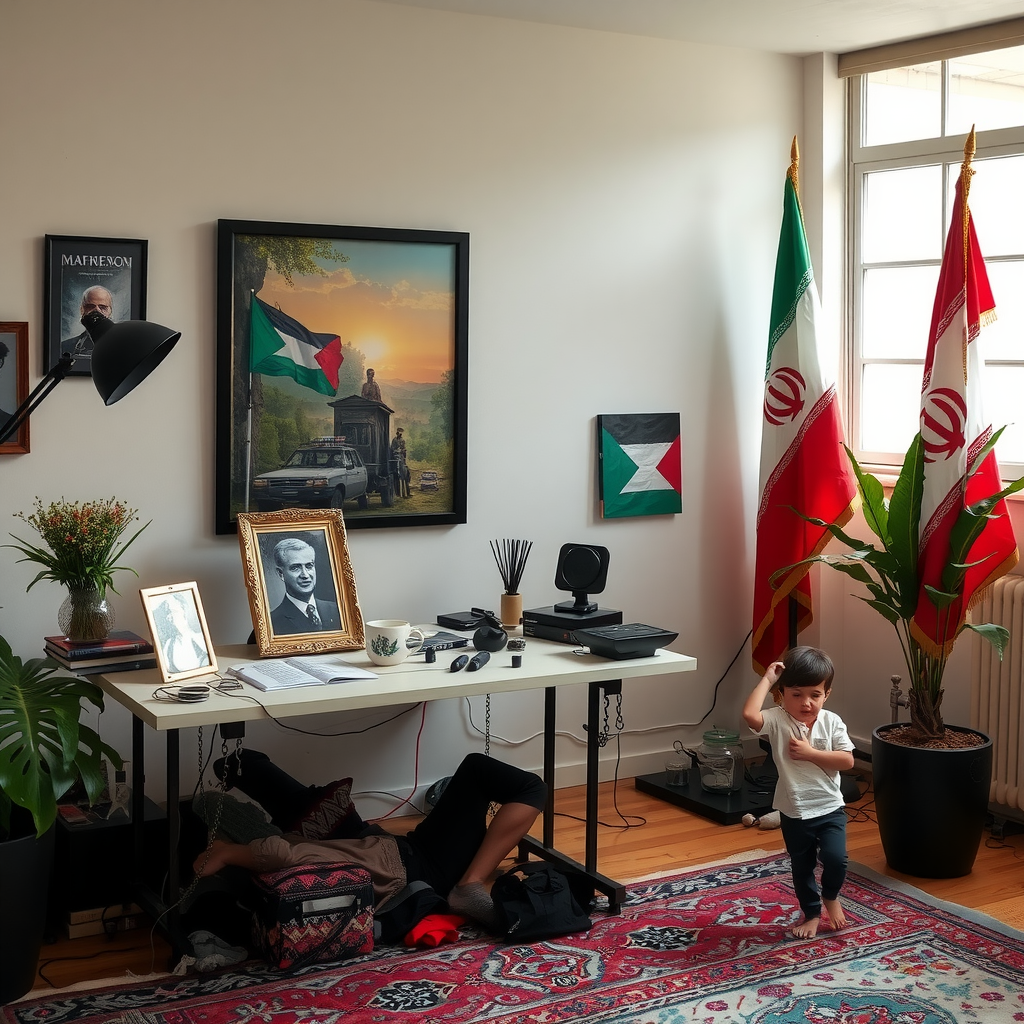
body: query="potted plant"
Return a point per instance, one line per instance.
(82, 547)
(44, 750)
(931, 780)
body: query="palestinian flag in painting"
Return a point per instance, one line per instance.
(641, 469)
(280, 346)
(804, 466)
(959, 469)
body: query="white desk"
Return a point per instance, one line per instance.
(546, 665)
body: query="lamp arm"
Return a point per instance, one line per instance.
(53, 377)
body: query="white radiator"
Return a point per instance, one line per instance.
(996, 689)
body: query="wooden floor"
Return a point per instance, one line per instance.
(668, 838)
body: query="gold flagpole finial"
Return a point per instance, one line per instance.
(794, 167)
(966, 173)
(966, 170)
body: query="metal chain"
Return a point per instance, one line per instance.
(487, 726)
(605, 734)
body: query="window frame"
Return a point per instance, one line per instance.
(946, 150)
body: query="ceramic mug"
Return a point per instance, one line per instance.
(387, 641)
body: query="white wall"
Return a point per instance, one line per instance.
(623, 197)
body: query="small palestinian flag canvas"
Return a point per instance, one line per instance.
(640, 465)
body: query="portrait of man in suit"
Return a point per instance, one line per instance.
(301, 610)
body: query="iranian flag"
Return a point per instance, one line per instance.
(281, 347)
(804, 466)
(641, 468)
(958, 470)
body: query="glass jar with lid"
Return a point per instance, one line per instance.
(720, 758)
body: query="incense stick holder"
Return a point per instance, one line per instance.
(511, 609)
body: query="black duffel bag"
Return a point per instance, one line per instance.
(536, 901)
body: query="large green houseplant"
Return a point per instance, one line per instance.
(889, 571)
(44, 750)
(887, 566)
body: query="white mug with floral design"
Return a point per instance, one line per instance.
(388, 641)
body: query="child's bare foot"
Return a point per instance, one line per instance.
(835, 913)
(210, 861)
(806, 929)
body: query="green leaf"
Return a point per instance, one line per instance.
(876, 515)
(883, 608)
(43, 748)
(940, 598)
(997, 636)
(905, 518)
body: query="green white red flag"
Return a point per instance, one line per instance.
(804, 466)
(280, 346)
(954, 431)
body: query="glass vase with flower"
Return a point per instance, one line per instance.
(83, 543)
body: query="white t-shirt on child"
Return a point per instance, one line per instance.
(804, 790)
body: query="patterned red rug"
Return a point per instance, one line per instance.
(705, 946)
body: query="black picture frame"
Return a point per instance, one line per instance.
(14, 382)
(395, 300)
(74, 264)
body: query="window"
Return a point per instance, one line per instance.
(908, 127)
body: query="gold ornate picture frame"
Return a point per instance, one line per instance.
(181, 637)
(302, 590)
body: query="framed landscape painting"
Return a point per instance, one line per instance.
(342, 372)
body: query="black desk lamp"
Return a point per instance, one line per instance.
(124, 354)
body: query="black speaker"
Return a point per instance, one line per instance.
(583, 570)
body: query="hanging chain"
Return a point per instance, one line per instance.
(605, 734)
(487, 726)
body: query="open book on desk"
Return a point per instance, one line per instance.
(305, 670)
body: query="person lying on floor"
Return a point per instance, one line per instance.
(452, 849)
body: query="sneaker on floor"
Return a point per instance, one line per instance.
(770, 820)
(749, 820)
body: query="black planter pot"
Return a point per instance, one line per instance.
(25, 866)
(931, 804)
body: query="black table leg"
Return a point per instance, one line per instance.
(173, 824)
(615, 891)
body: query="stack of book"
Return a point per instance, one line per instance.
(122, 651)
(121, 917)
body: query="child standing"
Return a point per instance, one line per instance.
(811, 746)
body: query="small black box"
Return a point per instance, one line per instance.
(92, 864)
(548, 624)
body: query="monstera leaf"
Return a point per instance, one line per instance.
(44, 748)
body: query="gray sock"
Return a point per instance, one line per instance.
(474, 901)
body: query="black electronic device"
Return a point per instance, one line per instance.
(583, 570)
(625, 640)
(442, 641)
(460, 620)
(457, 663)
(490, 634)
(478, 661)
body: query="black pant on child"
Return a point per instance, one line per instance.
(439, 849)
(808, 840)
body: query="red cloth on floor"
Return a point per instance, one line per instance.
(434, 929)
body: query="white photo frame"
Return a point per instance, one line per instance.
(181, 637)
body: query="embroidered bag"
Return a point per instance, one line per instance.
(313, 913)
